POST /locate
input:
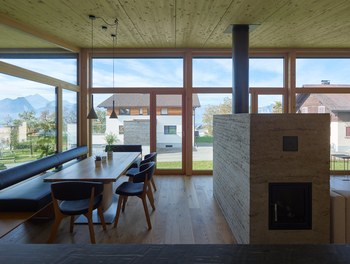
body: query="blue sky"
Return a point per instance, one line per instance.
(168, 73)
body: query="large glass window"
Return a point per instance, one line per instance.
(60, 68)
(266, 72)
(28, 121)
(70, 116)
(204, 107)
(129, 129)
(322, 72)
(337, 105)
(212, 72)
(270, 103)
(138, 72)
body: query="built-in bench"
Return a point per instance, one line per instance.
(23, 193)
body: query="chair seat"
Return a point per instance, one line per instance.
(131, 172)
(78, 206)
(130, 189)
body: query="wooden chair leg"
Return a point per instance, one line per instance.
(150, 197)
(153, 184)
(71, 226)
(144, 202)
(102, 218)
(120, 199)
(125, 199)
(54, 228)
(91, 228)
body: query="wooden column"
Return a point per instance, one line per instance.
(240, 77)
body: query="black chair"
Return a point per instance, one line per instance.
(148, 158)
(72, 198)
(140, 187)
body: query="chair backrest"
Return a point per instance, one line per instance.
(75, 190)
(146, 170)
(125, 148)
(149, 157)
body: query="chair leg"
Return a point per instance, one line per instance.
(102, 218)
(150, 197)
(54, 229)
(118, 210)
(153, 184)
(91, 228)
(71, 226)
(125, 199)
(144, 202)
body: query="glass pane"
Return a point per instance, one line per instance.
(212, 72)
(204, 107)
(169, 132)
(137, 72)
(129, 129)
(322, 71)
(270, 103)
(28, 121)
(339, 108)
(63, 69)
(266, 72)
(70, 115)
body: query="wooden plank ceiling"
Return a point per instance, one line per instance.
(174, 23)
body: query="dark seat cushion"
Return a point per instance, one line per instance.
(27, 196)
(130, 189)
(79, 152)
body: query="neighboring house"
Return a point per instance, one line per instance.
(338, 106)
(133, 123)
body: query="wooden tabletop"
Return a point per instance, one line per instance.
(86, 170)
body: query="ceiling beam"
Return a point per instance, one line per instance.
(8, 21)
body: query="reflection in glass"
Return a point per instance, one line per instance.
(70, 114)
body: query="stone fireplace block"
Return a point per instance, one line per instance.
(253, 150)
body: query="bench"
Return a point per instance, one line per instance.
(23, 193)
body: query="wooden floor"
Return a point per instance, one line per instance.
(186, 213)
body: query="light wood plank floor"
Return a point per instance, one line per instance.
(186, 213)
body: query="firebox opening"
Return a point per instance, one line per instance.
(290, 205)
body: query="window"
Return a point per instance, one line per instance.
(164, 111)
(70, 125)
(124, 111)
(140, 111)
(347, 131)
(169, 130)
(138, 72)
(121, 130)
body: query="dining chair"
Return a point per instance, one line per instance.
(148, 158)
(73, 198)
(140, 187)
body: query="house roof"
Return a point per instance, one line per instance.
(333, 102)
(142, 100)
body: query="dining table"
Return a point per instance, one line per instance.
(107, 171)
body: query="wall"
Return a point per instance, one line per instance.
(248, 156)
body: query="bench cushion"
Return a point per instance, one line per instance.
(30, 195)
(17, 174)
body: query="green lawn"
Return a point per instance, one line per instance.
(197, 165)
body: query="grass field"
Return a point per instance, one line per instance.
(197, 165)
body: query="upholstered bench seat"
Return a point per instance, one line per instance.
(30, 195)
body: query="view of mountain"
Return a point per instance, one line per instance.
(10, 108)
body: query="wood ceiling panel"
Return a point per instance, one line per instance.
(181, 23)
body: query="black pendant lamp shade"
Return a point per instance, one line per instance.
(92, 114)
(113, 114)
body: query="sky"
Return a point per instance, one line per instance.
(155, 72)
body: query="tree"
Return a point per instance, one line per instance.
(99, 125)
(224, 108)
(277, 107)
(29, 118)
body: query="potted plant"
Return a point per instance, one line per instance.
(110, 139)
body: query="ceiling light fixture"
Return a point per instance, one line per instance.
(92, 114)
(113, 114)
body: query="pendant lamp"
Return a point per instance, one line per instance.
(113, 114)
(92, 114)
